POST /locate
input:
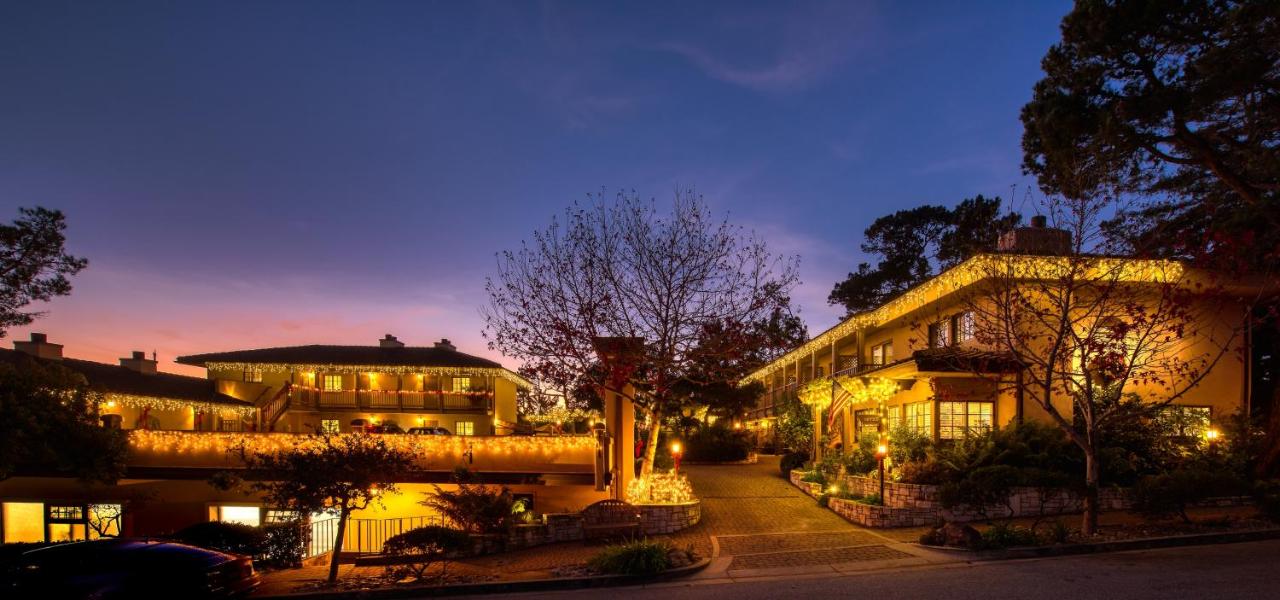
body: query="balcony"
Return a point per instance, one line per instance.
(392, 400)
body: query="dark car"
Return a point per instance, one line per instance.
(428, 431)
(388, 427)
(133, 568)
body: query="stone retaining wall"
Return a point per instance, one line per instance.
(670, 518)
(659, 519)
(912, 505)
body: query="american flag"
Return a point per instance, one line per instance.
(837, 407)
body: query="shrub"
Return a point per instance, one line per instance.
(274, 545)
(790, 462)
(981, 489)
(815, 476)
(1171, 493)
(1007, 535)
(717, 443)
(928, 472)
(473, 508)
(907, 445)
(426, 545)
(1267, 494)
(637, 557)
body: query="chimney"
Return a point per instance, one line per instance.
(1039, 239)
(445, 344)
(40, 347)
(140, 363)
(390, 342)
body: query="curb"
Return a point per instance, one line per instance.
(1174, 541)
(499, 587)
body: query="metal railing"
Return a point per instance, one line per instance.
(363, 536)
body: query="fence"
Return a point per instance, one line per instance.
(363, 536)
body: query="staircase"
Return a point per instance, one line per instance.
(274, 408)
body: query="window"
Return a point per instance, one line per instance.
(244, 515)
(465, 428)
(919, 417)
(1185, 421)
(333, 383)
(882, 354)
(105, 520)
(23, 522)
(329, 426)
(867, 421)
(282, 516)
(940, 334)
(894, 416)
(956, 419)
(67, 523)
(461, 385)
(253, 376)
(963, 325)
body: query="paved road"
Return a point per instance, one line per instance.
(1247, 570)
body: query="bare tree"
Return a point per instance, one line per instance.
(1085, 327)
(625, 269)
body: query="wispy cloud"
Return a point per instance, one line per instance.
(801, 48)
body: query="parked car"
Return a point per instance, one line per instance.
(428, 431)
(133, 568)
(388, 427)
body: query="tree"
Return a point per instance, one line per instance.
(917, 243)
(1179, 103)
(1084, 328)
(49, 423)
(626, 270)
(34, 267)
(331, 473)
(538, 398)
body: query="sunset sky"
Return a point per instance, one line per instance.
(244, 175)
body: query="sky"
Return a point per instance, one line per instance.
(254, 174)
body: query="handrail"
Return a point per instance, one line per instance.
(275, 408)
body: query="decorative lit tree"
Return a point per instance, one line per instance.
(623, 269)
(330, 473)
(1084, 326)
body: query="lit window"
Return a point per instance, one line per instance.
(23, 522)
(105, 520)
(894, 416)
(957, 419)
(882, 354)
(253, 376)
(329, 426)
(1185, 421)
(919, 417)
(940, 334)
(67, 523)
(866, 420)
(465, 428)
(461, 385)
(333, 383)
(963, 325)
(244, 515)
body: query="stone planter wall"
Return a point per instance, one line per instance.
(909, 504)
(670, 518)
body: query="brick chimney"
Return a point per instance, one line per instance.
(40, 347)
(140, 363)
(390, 342)
(1039, 238)
(445, 344)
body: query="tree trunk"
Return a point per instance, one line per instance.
(1089, 526)
(651, 448)
(817, 434)
(337, 545)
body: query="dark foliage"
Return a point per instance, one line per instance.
(473, 507)
(790, 462)
(717, 443)
(34, 266)
(274, 545)
(638, 557)
(1173, 492)
(426, 546)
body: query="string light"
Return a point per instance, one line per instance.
(560, 414)
(660, 488)
(981, 267)
(111, 401)
(362, 369)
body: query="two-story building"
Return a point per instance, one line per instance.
(950, 382)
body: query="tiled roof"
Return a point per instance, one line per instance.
(116, 379)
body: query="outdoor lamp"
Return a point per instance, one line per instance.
(676, 452)
(882, 451)
(1212, 435)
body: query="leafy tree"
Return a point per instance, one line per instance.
(473, 507)
(331, 473)
(915, 244)
(34, 266)
(536, 400)
(49, 422)
(626, 270)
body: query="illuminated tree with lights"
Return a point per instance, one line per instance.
(1083, 327)
(335, 474)
(624, 269)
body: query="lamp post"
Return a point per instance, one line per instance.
(676, 452)
(881, 451)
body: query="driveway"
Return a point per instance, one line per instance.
(761, 525)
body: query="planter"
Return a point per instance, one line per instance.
(669, 518)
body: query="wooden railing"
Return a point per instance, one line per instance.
(391, 400)
(273, 409)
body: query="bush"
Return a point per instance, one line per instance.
(1267, 494)
(790, 462)
(274, 545)
(1171, 493)
(815, 476)
(983, 488)
(427, 545)
(637, 557)
(1006, 535)
(927, 472)
(473, 508)
(717, 443)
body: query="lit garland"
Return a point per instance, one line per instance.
(396, 369)
(660, 488)
(560, 414)
(873, 389)
(108, 401)
(979, 268)
(557, 449)
(816, 393)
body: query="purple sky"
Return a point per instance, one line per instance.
(244, 175)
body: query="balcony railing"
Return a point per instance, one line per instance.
(391, 400)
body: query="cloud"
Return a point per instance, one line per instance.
(806, 47)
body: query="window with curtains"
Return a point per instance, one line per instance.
(919, 417)
(332, 383)
(894, 415)
(956, 419)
